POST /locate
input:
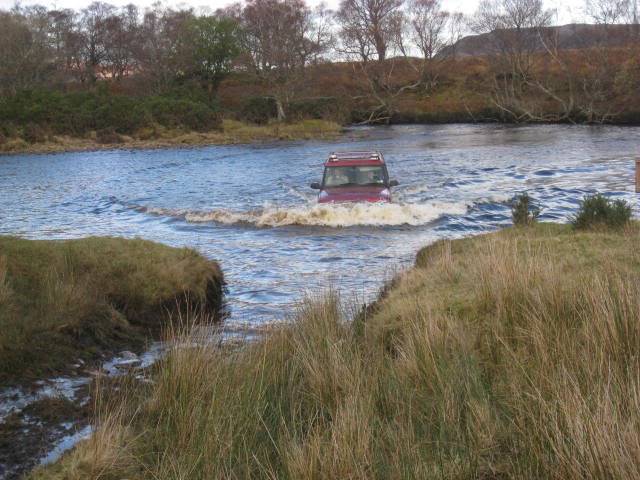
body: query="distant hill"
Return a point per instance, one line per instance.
(572, 36)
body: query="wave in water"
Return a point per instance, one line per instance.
(341, 215)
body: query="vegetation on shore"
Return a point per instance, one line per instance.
(108, 74)
(157, 136)
(508, 355)
(78, 299)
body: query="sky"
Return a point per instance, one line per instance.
(568, 11)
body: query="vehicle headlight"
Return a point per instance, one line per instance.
(323, 194)
(385, 193)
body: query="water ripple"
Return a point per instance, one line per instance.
(251, 208)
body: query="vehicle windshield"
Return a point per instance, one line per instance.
(354, 175)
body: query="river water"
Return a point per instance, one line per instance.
(250, 207)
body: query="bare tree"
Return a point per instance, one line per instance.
(593, 84)
(609, 12)
(517, 30)
(433, 32)
(121, 34)
(603, 76)
(369, 30)
(420, 31)
(24, 51)
(161, 44)
(93, 22)
(427, 22)
(280, 38)
(322, 32)
(369, 27)
(62, 24)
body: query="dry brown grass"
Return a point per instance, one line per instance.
(510, 355)
(233, 132)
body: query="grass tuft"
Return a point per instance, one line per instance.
(63, 300)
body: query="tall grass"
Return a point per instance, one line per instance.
(238, 132)
(154, 136)
(511, 355)
(64, 300)
(5, 290)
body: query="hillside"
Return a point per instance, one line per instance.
(573, 36)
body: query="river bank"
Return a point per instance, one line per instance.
(232, 132)
(66, 309)
(511, 354)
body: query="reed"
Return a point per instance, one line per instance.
(509, 355)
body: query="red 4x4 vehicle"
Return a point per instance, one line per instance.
(355, 177)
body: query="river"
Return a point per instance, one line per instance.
(250, 207)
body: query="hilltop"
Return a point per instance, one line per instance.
(574, 36)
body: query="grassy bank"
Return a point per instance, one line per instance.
(231, 132)
(509, 355)
(64, 300)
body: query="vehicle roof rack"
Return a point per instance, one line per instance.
(356, 155)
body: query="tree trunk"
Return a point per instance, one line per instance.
(280, 109)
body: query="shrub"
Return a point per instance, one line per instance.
(14, 145)
(8, 129)
(77, 113)
(597, 211)
(107, 136)
(320, 108)
(34, 133)
(523, 210)
(259, 110)
(120, 113)
(184, 113)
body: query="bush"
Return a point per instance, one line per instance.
(8, 129)
(523, 210)
(34, 133)
(184, 113)
(107, 136)
(77, 113)
(320, 108)
(597, 211)
(259, 110)
(120, 113)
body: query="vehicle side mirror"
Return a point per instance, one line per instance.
(393, 183)
(315, 186)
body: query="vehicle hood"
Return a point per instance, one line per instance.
(355, 194)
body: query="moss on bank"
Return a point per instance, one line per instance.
(508, 355)
(232, 132)
(63, 300)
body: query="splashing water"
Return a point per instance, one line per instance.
(337, 215)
